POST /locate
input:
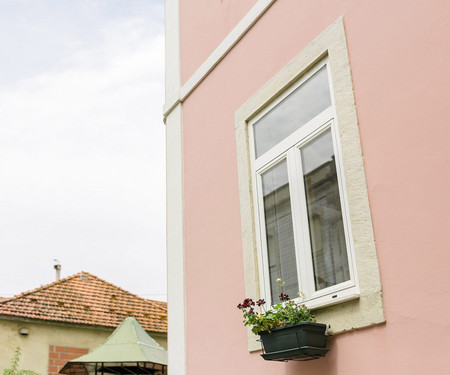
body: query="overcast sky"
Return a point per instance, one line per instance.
(82, 175)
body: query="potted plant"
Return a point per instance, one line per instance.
(288, 330)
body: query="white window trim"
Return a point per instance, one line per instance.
(325, 121)
(353, 308)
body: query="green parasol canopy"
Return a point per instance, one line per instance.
(129, 350)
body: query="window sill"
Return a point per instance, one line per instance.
(342, 316)
(334, 298)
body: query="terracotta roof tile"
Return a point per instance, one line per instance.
(86, 299)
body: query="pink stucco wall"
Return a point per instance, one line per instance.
(205, 23)
(399, 53)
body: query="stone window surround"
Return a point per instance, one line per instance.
(366, 310)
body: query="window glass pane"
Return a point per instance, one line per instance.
(279, 231)
(301, 106)
(324, 213)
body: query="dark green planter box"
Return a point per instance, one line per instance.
(301, 341)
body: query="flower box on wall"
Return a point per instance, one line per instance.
(301, 342)
(287, 329)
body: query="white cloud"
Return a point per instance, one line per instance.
(82, 164)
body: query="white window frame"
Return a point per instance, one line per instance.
(360, 305)
(323, 122)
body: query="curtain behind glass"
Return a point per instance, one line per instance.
(279, 231)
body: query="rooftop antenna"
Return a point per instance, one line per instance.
(57, 267)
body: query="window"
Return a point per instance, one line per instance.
(304, 236)
(305, 212)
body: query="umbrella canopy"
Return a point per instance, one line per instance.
(129, 350)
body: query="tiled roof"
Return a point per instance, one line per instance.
(86, 299)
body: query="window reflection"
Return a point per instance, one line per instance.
(301, 106)
(326, 227)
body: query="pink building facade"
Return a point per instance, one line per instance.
(309, 141)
